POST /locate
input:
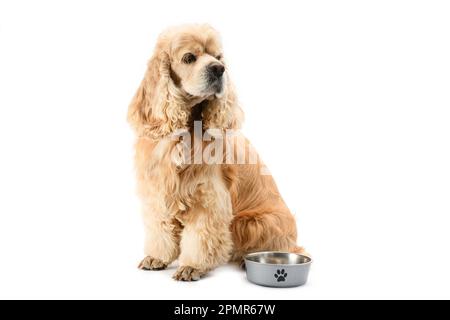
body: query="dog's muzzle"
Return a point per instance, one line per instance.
(214, 75)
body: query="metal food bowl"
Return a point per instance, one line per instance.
(277, 269)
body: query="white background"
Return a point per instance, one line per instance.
(348, 103)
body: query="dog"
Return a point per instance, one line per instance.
(203, 214)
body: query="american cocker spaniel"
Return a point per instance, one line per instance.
(206, 196)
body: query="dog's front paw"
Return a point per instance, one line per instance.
(186, 273)
(150, 263)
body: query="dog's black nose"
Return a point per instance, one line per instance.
(216, 69)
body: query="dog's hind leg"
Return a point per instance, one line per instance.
(263, 231)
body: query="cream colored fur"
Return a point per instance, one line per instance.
(201, 214)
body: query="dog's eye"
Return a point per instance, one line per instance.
(189, 58)
(219, 56)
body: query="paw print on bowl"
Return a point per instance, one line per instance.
(280, 275)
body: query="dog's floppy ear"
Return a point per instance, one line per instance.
(151, 110)
(237, 115)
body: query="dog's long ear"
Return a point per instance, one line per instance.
(224, 113)
(154, 110)
(237, 115)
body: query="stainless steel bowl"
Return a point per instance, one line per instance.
(277, 269)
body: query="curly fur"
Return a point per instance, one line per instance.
(202, 214)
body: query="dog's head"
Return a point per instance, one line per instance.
(197, 61)
(186, 80)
